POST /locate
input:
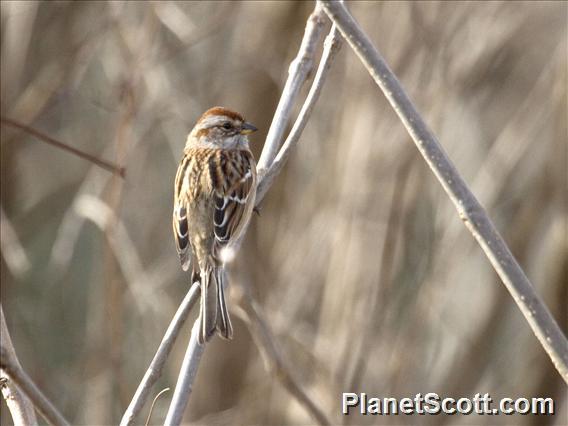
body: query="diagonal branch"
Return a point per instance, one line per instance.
(157, 365)
(113, 168)
(16, 374)
(470, 211)
(187, 374)
(20, 406)
(332, 45)
(298, 72)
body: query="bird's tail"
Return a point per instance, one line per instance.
(214, 314)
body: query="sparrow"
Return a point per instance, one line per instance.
(214, 196)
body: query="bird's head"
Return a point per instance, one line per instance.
(220, 127)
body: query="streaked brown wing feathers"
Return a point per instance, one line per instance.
(179, 220)
(230, 176)
(233, 195)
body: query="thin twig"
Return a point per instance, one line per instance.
(186, 377)
(20, 406)
(470, 211)
(15, 373)
(251, 314)
(113, 168)
(298, 72)
(157, 365)
(332, 45)
(163, 391)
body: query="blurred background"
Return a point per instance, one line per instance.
(359, 263)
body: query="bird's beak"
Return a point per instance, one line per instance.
(248, 128)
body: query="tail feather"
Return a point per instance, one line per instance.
(214, 315)
(224, 326)
(208, 314)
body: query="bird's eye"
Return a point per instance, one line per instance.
(227, 125)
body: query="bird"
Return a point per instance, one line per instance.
(214, 196)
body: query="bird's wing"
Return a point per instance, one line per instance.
(180, 225)
(233, 175)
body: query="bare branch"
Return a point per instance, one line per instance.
(113, 168)
(470, 211)
(297, 74)
(20, 406)
(157, 365)
(26, 384)
(274, 361)
(15, 372)
(332, 45)
(186, 377)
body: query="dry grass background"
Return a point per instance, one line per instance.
(366, 274)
